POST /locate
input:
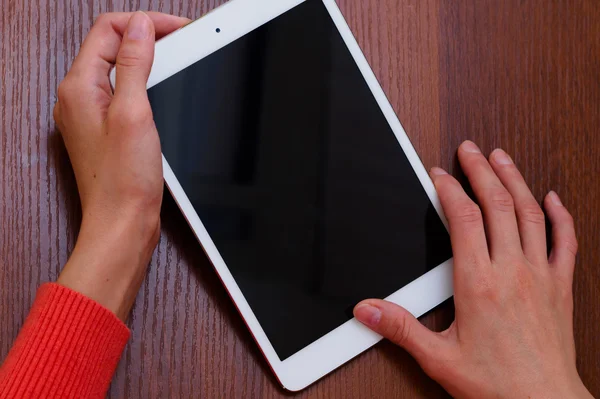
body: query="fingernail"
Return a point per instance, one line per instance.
(469, 146)
(502, 157)
(438, 171)
(139, 26)
(367, 314)
(555, 198)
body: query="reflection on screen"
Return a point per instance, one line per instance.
(302, 185)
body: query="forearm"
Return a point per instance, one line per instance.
(109, 261)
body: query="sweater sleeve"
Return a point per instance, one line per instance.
(68, 347)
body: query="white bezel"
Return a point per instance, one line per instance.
(184, 47)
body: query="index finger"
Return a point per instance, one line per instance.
(101, 46)
(467, 233)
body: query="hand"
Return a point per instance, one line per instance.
(115, 152)
(513, 332)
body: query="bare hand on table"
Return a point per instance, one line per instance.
(115, 152)
(513, 332)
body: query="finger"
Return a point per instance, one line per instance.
(101, 46)
(496, 202)
(467, 232)
(134, 60)
(564, 240)
(402, 328)
(165, 24)
(530, 218)
(85, 93)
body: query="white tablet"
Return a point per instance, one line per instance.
(297, 178)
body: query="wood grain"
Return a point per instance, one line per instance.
(523, 75)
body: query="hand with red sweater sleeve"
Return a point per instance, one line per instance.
(74, 335)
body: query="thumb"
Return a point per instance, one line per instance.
(135, 57)
(402, 328)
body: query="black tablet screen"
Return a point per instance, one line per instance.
(297, 176)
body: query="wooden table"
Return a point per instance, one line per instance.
(522, 75)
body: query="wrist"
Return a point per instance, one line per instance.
(110, 257)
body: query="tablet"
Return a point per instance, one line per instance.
(295, 175)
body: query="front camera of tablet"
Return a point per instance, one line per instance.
(218, 30)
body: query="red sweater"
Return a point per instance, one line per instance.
(68, 347)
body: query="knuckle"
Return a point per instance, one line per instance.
(468, 213)
(67, 91)
(400, 330)
(128, 59)
(103, 19)
(571, 245)
(130, 117)
(568, 219)
(523, 281)
(484, 289)
(129, 56)
(500, 200)
(532, 213)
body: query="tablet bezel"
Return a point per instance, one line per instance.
(218, 28)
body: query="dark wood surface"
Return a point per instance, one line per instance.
(520, 74)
